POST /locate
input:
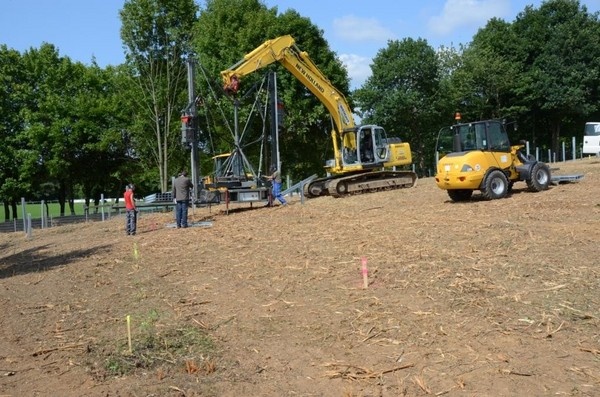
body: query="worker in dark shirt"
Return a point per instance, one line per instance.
(181, 197)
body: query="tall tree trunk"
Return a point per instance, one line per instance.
(71, 200)
(13, 204)
(62, 195)
(555, 136)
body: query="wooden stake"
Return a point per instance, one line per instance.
(129, 333)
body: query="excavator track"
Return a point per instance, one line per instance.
(366, 182)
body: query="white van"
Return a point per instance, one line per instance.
(591, 138)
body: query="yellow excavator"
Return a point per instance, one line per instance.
(365, 159)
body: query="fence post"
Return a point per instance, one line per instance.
(29, 225)
(23, 214)
(564, 158)
(102, 205)
(44, 215)
(302, 191)
(573, 148)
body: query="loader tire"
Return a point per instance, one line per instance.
(460, 194)
(539, 177)
(495, 185)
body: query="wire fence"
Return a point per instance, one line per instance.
(41, 219)
(22, 225)
(568, 150)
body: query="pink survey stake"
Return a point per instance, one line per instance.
(365, 272)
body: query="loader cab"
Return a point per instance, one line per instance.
(489, 135)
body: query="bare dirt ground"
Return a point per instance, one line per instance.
(485, 298)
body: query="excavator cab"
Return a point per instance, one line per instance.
(367, 147)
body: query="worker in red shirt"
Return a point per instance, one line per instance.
(130, 210)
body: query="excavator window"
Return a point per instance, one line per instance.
(349, 155)
(349, 148)
(366, 147)
(381, 144)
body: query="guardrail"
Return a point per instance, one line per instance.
(159, 197)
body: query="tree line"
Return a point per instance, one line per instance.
(71, 130)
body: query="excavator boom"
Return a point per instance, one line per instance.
(284, 50)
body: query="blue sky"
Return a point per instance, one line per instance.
(355, 29)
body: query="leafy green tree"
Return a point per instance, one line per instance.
(61, 121)
(450, 60)
(70, 137)
(480, 87)
(15, 183)
(101, 162)
(157, 37)
(558, 53)
(51, 143)
(402, 95)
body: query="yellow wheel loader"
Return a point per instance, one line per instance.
(478, 156)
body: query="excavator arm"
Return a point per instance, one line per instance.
(284, 50)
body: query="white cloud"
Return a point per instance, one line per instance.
(359, 68)
(361, 29)
(467, 14)
(354, 29)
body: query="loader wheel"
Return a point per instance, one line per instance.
(460, 194)
(540, 177)
(495, 185)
